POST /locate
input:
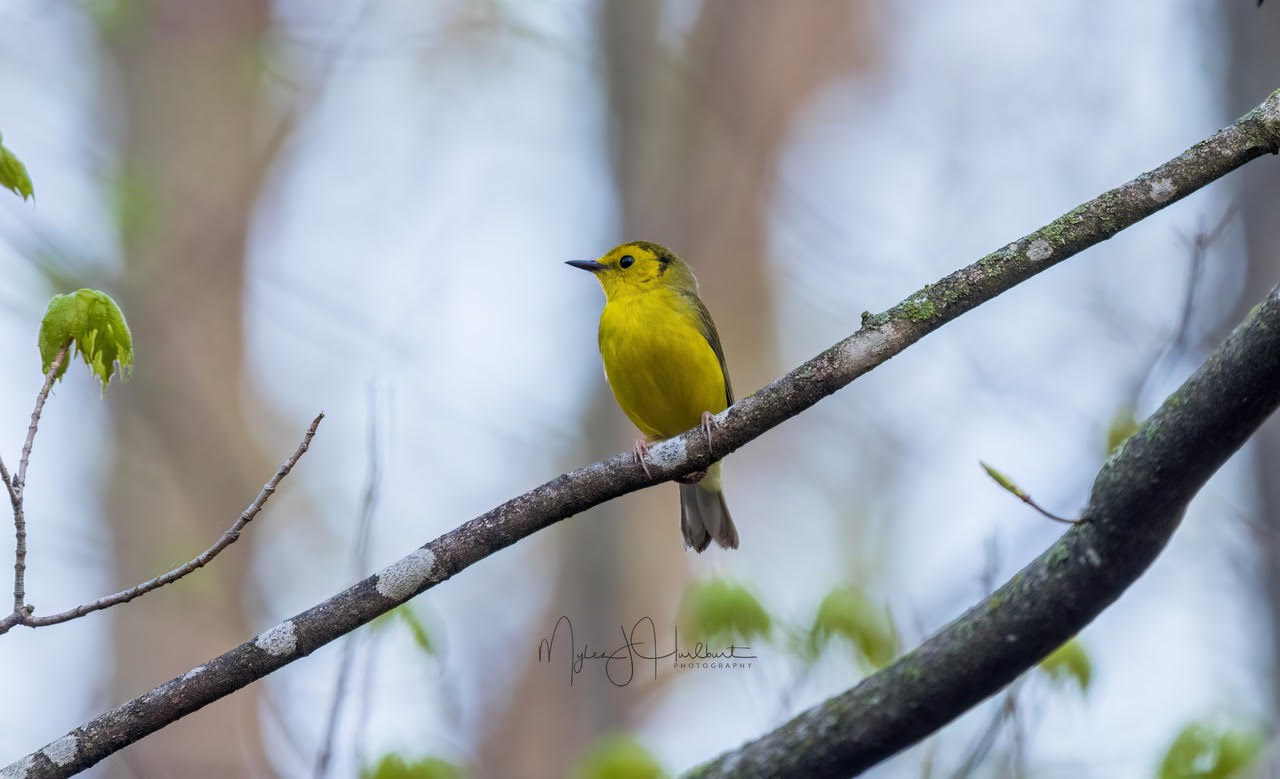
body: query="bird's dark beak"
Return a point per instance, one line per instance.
(591, 265)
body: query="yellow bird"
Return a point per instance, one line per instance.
(663, 361)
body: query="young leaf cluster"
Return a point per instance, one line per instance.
(91, 320)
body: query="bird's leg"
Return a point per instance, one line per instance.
(642, 449)
(708, 422)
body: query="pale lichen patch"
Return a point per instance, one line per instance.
(1039, 250)
(870, 344)
(1271, 109)
(63, 751)
(279, 640)
(18, 769)
(193, 673)
(670, 453)
(1093, 557)
(401, 579)
(1161, 190)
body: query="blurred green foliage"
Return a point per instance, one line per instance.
(396, 767)
(405, 614)
(1123, 425)
(848, 613)
(138, 210)
(715, 609)
(92, 321)
(13, 174)
(1211, 750)
(618, 757)
(1069, 663)
(114, 17)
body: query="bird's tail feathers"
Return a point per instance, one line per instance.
(704, 517)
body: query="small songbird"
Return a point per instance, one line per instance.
(663, 361)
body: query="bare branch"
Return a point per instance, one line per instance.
(20, 478)
(4, 476)
(880, 338)
(360, 566)
(227, 539)
(20, 608)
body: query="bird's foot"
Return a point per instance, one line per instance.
(641, 449)
(708, 422)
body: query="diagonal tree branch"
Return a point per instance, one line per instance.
(1137, 501)
(880, 338)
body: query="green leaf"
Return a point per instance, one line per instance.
(1069, 663)
(92, 321)
(1213, 750)
(720, 609)
(847, 613)
(1123, 425)
(418, 628)
(13, 174)
(618, 757)
(396, 767)
(1003, 481)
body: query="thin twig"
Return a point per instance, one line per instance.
(8, 482)
(1027, 500)
(20, 607)
(359, 564)
(228, 538)
(367, 681)
(1199, 247)
(20, 479)
(1021, 494)
(982, 747)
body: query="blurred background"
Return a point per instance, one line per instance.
(364, 207)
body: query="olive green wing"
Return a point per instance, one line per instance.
(708, 330)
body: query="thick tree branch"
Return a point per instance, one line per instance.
(1137, 501)
(880, 338)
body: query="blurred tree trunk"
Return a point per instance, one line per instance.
(183, 464)
(696, 130)
(1254, 72)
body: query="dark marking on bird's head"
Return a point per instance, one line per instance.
(632, 267)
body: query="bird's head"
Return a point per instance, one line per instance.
(637, 267)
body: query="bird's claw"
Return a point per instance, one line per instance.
(641, 449)
(708, 422)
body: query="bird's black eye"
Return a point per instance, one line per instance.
(627, 261)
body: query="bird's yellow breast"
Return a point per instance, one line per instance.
(660, 366)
